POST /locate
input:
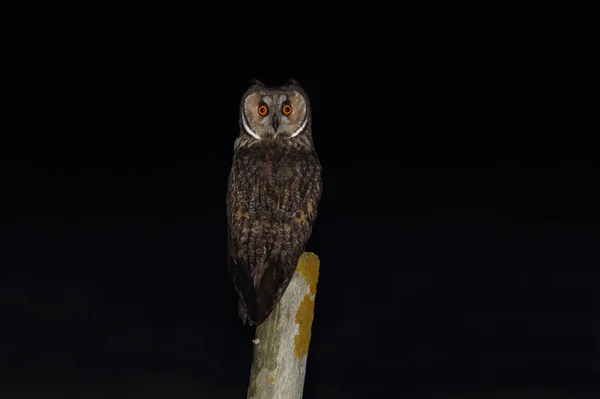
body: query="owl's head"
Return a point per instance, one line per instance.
(275, 112)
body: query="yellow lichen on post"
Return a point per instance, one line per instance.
(304, 319)
(308, 267)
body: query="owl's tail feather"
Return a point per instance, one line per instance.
(256, 303)
(245, 289)
(243, 311)
(273, 284)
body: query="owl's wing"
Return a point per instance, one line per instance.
(242, 232)
(240, 276)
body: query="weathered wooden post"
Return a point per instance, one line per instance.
(282, 340)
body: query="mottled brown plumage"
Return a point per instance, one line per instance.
(273, 193)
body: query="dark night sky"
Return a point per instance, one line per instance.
(458, 232)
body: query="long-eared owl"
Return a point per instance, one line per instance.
(272, 196)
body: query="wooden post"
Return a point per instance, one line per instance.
(282, 340)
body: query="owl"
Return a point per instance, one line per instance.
(273, 192)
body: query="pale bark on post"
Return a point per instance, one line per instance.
(282, 340)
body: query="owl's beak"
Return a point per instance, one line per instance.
(275, 124)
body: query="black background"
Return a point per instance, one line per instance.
(458, 232)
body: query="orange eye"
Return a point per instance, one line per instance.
(286, 109)
(263, 110)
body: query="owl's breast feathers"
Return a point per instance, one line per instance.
(272, 202)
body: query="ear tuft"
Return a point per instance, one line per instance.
(256, 82)
(292, 82)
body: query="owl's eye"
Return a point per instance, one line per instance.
(263, 110)
(286, 109)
